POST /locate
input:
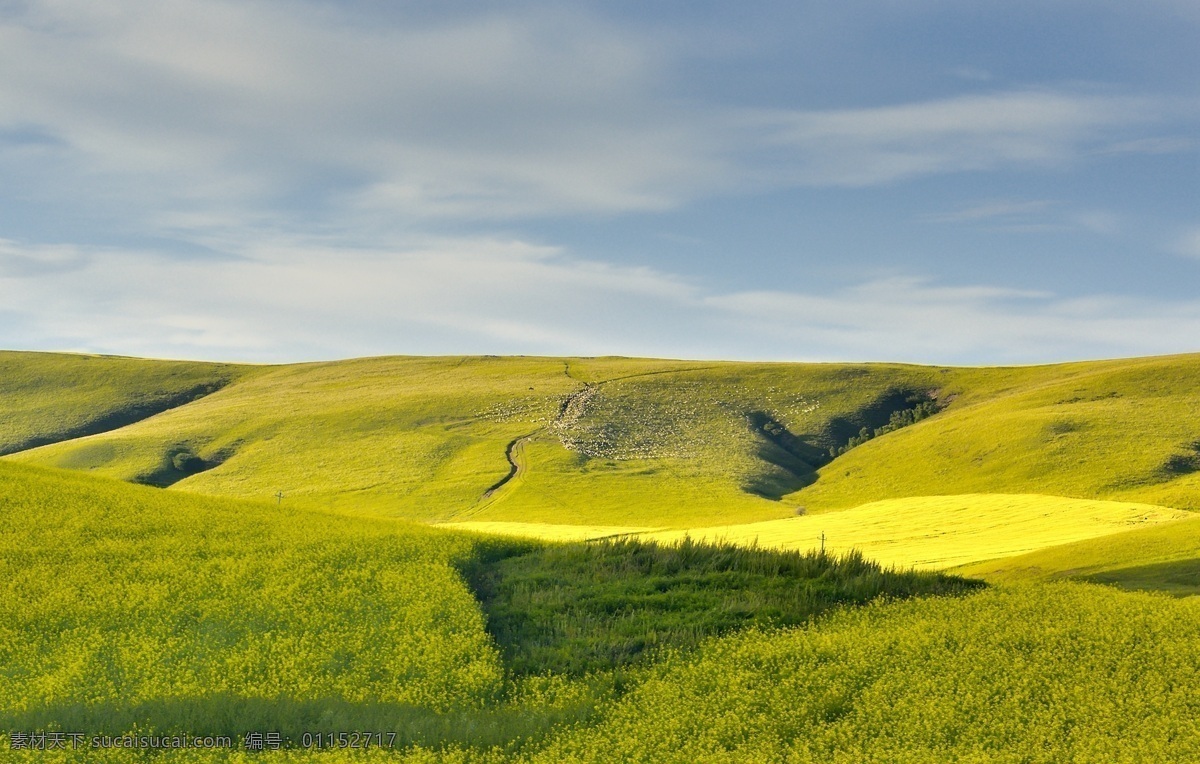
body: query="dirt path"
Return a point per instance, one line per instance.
(570, 410)
(515, 465)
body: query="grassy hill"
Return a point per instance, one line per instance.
(633, 442)
(213, 608)
(1053, 673)
(50, 397)
(119, 594)
(1127, 430)
(598, 439)
(1162, 558)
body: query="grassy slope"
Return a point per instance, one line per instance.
(48, 397)
(129, 608)
(1044, 673)
(583, 608)
(662, 443)
(425, 437)
(924, 532)
(389, 434)
(123, 606)
(1124, 559)
(1126, 430)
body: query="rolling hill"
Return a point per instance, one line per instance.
(152, 580)
(51, 397)
(642, 442)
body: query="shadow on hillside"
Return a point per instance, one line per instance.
(180, 462)
(791, 461)
(1179, 578)
(131, 413)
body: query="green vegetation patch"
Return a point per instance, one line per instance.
(582, 607)
(1145, 558)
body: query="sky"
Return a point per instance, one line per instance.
(923, 181)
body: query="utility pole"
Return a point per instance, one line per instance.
(279, 498)
(822, 542)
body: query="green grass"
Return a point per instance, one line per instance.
(1122, 430)
(49, 397)
(413, 437)
(1165, 544)
(579, 608)
(129, 608)
(1180, 578)
(194, 609)
(424, 438)
(650, 443)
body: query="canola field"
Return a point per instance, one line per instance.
(1063, 672)
(923, 532)
(118, 601)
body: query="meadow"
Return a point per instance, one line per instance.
(546, 559)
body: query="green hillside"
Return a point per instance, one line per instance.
(1047, 674)
(631, 442)
(426, 438)
(115, 596)
(1162, 558)
(49, 397)
(201, 602)
(1125, 430)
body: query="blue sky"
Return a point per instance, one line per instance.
(936, 182)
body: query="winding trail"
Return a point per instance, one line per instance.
(515, 467)
(569, 411)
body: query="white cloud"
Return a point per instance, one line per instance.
(215, 124)
(488, 115)
(17, 261)
(294, 300)
(870, 146)
(191, 111)
(915, 320)
(1030, 216)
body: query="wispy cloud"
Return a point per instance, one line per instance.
(291, 300)
(23, 261)
(202, 110)
(918, 320)
(1003, 209)
(1152, 145)
(863, 147)
(302, 164)
(1030, 216)
(486, 115)
(1187, 243)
